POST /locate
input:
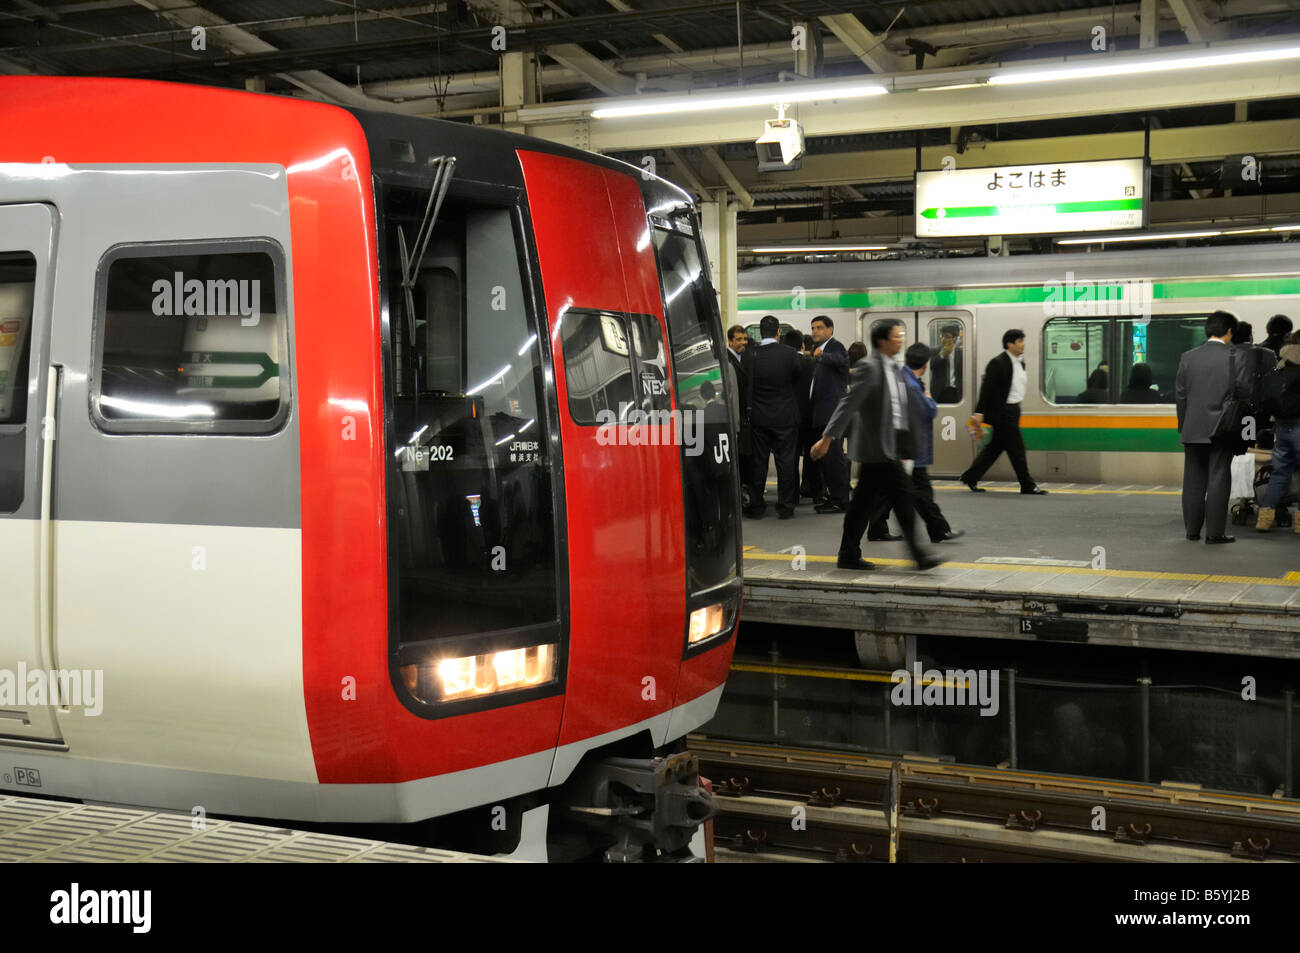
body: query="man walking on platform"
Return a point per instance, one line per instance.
(1209, 392)
(1001, 391)
(774, 421)
(877, 396)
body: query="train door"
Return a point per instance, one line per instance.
(28, 395)
(622, 479)
(953, 381)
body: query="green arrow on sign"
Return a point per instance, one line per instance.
(1061, 208)
(269, 367)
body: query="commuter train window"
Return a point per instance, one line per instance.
(947, 356)
(1077, 361)
(469, 487)
(695, 330)
(1149, 353)
(192, 338)
(614, 364)
(17, 288)
(1116, 361)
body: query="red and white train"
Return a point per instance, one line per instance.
(301, 453)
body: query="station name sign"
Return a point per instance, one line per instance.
(1035, 198)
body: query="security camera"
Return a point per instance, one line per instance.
(780, 147)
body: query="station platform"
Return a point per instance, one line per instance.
(34, 830)
(1025, 570)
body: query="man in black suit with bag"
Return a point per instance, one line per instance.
(774, 420)
(1003, 388)
(1210, 394)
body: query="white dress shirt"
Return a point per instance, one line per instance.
(1019, 379)
(897, 391)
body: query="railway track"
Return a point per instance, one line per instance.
(800, 804)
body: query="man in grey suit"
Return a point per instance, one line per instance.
(1208, 383)
(877, 396)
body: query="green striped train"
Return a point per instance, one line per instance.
(1103, 335)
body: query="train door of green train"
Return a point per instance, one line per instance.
(953, 380)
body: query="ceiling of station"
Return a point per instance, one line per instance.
(446, 59)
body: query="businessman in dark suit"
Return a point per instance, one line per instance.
(1209, 382)
(877, 397)
(1004, 386)
(829, 383)
(946, 366)
(774, 420)
(738, 359)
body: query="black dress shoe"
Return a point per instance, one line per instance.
(887, 538)
(951, 534)
(927, 562)
(1193, 536)
(861, 565)
(785, 514)
(1033, 491)
(828, 508)
(1220, 539)
(973, 487)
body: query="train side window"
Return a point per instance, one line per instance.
(1149, 354)
(1076, 361)
(613, 364)
(191, 338)
(947, 361)
(17, 287)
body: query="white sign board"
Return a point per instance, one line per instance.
(1050, 197)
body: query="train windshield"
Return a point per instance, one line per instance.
(469, 485)
(711, 496)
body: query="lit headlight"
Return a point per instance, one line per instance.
(476, 676)
(706, 623)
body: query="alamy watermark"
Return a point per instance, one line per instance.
(654, 428)
(947, 687)
(37, 687)
(179, 296)
(1095, 299)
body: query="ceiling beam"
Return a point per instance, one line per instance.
(595, 70)
(682, 169)
(1168, 146)
(911, 109)
(865, 45)
(660, 38)
(1198, 27)
(742, 193)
